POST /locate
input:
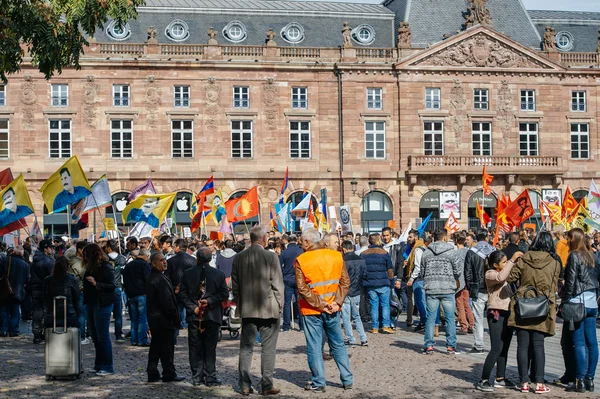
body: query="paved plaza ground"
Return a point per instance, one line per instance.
(391, 367)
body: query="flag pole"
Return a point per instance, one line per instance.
(24, 226)
(69, 221)
(116, 225)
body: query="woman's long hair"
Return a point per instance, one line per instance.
(578, 243)
(60, 269)
(93, 256)
(544, 242)
(495, 258)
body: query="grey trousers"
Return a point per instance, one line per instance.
(479, 306)
(269, 332)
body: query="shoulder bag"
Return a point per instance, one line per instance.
(537, 307)
(573, 312)
(6, 291)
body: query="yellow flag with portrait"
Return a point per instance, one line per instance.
(148, 209)
(66, 186)
(15, 202)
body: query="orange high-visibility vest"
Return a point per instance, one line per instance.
(322, 269)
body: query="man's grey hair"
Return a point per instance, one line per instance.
(311, 235)
(257, 234)
(155, 256)
(143, 252)
(363, 241)
(559, 230)
(327, 237)
(18, 250)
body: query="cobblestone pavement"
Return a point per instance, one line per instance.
(391, 367)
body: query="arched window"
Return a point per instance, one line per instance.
(240, 227)
(295, 199)
(488, 204)
(375, 212)
(430, 203)
(579, 194)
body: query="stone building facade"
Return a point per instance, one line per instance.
(384, 129)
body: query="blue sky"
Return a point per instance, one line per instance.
(570, 5)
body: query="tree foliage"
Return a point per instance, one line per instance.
(54, 32)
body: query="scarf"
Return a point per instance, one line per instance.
(482, 249)
(411, 258)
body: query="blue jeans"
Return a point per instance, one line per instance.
(350, 307)
(182, 315)
(82, 316)
(379, 296)
(433, 307)
(99, 323)
(289, 293)
(139, 320)
(314, 326)
(586, 345)
(118, 313)
(420, 302)
(10, 314)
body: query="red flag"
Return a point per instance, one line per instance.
(496, 235)
(200, 213)
(452, 224)
(6, 178)
(569, 203)
(542, 213)
(243, 208)
(487, 180)
(520, 209)
(483, 217)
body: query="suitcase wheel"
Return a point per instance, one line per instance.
(234, 334)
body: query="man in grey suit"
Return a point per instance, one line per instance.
(257, 285)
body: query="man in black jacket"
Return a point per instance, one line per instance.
(513, 246)
(475, 280)
(41, 267)
(118, 262)
(176, 266)
(134, 282)
(356, 267)
(396, 250)
(204, 316)
(164, 320)
(287, 259)
(18, 276)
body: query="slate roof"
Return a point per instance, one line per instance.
(583, 26)
(430, 20)
(322, 21)
(570, 15)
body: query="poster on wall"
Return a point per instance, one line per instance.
(449, 203)
(552, 197)
(345, 219)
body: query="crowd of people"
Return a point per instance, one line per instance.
(326, 284)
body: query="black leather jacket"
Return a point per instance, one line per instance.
(177, 265)
(579, 276)
(475, 272)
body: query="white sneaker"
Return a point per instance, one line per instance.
(103, 373)
(85, 341)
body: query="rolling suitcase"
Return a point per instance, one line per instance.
(63, 348)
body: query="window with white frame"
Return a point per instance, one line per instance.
(241, 97)
(121, 96)
(4, 139)
(482, 138)
(528, 139)
(527, 100)
(59, 142)
(2, 95)
(299, 97)
(182, 134)
(182, 96)
(241, 139)
(578, 101)
(60, 95)
(375, 140)
(481, 99)
(300, 139)
(374, 98)
(121, 138)
(433, 137)
(580, 141)
(433, 98)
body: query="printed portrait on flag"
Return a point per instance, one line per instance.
(66, 186)
(15, 203)
(144, 214)
(552, 197)
(449, 203)
(71, 192)
(148, 209)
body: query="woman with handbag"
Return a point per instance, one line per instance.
(580, 309)
(533, 307)
(99, 297)
(499, 294)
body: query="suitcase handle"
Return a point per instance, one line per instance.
(64, 330)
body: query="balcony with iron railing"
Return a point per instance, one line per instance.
(450, 164)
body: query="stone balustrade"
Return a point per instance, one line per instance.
(450, 164)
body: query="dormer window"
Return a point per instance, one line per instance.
(118, 32)
(235, 32)
(363, 34)
(177, 31)
(564, 41)
(292, 33)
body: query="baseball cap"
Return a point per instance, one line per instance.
(44, 244)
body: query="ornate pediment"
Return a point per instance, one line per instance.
(481, 47)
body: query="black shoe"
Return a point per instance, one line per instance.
(313, 388)
(349, 386)
(419, 328)
(128, 335)
(577, 386)
(153, 379)
(484, 386)
(37, 341)
(562, 381)
(146, 345)
(589, 384)
(475, 351)
(214, 383)
(13, 335)
(364, 343)
(178, 378)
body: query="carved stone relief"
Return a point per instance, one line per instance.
(213, 91)
(28, 99)
(270, 96)
(152, 102)
(458, 113)
(481, 50)
(90, 97)
(505, 114)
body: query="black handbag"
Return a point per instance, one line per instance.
(6, 291)
(573, 313)
(537, 307)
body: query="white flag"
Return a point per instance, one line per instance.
(100, 195)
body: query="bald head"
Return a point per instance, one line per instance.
(203, 255)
